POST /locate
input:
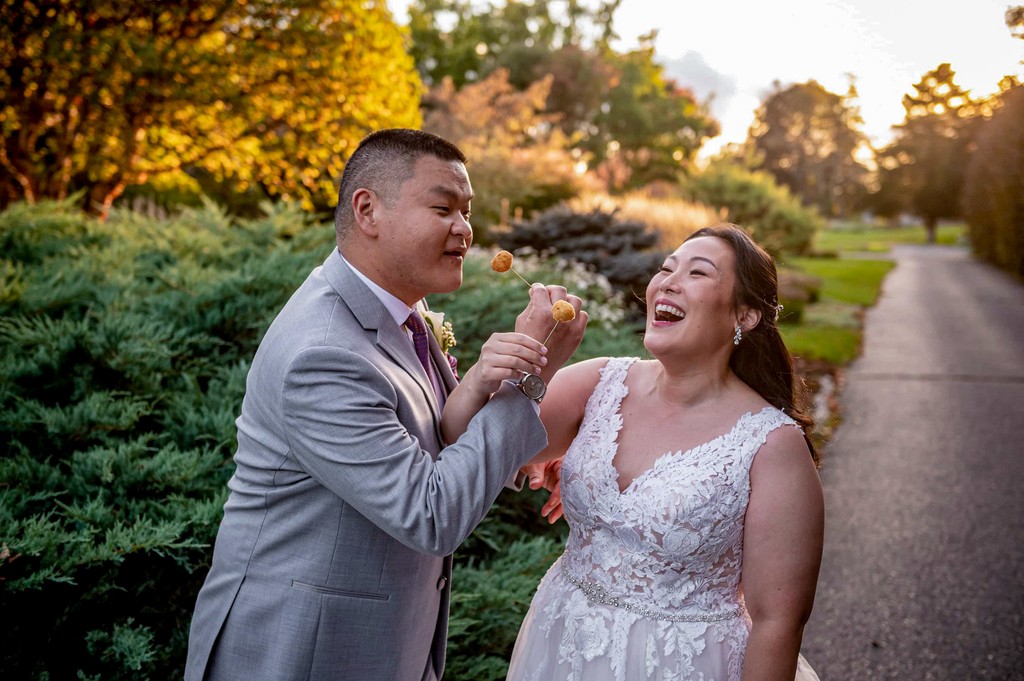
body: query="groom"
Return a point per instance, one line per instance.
(333, 560)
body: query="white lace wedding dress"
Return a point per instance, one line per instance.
(649, 584)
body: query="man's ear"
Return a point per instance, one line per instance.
(749, 318)
(364, 209)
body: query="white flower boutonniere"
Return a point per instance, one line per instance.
(445, 336)
(442, 330)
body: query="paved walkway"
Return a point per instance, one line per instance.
(923, 573)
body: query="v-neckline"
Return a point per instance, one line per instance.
(676, 453)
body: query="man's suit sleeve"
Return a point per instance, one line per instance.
(343, 426)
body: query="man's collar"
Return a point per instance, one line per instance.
(398, 310)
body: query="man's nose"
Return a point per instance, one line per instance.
(461, 227)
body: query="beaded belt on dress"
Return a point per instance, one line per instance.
(598, 594)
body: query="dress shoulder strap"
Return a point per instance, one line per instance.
(610, 388)
(753, 430)
(615, 370)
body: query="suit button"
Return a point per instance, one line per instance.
(441, 583)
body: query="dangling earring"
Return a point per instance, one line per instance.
(739, 335)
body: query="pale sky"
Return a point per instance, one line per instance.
(737, 48)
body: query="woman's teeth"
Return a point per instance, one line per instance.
(668, 313)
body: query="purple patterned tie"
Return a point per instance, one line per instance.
(419, 338)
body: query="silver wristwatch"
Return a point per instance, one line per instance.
(532, 386)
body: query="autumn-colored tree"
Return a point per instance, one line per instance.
(101, 95)
(807, 137)
(923, 169)
(517, 159)
(630, 121)
(1015, 20)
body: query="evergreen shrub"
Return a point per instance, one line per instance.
(123, 352)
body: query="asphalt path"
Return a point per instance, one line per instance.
(923, 571)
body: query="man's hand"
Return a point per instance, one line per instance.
(549, 476)
(536, 321)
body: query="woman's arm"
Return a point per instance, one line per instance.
(782, 544)
(561, 414)
(564, 404)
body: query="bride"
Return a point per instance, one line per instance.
(691, 491)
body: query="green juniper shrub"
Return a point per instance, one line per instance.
(123, 352)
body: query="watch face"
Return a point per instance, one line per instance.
(533, 386)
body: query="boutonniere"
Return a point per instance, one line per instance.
(445, 336)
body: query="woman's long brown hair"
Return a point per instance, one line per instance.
(761, 360)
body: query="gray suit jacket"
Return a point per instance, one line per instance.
(333, 560)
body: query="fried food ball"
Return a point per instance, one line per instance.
(502, 262)
(563, 311)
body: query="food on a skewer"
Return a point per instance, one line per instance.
(561, 311)
(502, 262)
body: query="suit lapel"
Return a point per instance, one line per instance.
(391, 338)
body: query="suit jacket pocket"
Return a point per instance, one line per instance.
(326, 590)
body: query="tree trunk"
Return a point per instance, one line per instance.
(23, 179)
(930, 226)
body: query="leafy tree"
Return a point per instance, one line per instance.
(517, 160)
(269, 93)
(620, 110)
(923, 169)
(1015, 20)
(466, 41)
(807, 137)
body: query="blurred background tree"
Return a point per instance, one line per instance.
(619, 111)
(265, 94)
(466, 41)
(808, 138)
(922, 171)
(994, 186)
(514, 151)
(648, 127)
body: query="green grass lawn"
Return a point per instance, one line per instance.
(846, 280)
(831, 327)
(861, 237)
(836, 345)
